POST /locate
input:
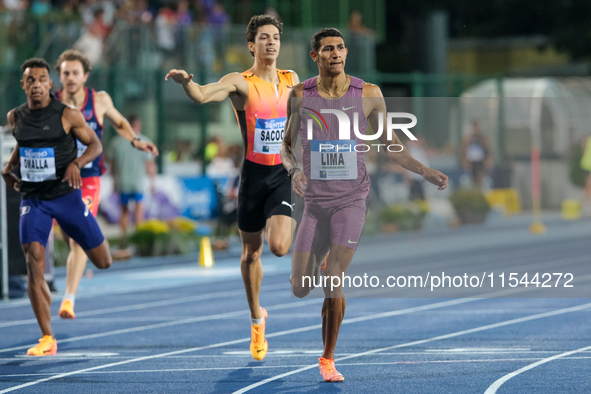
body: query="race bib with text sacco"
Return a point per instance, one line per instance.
(333, 160)
(268, 135)
(37, 164)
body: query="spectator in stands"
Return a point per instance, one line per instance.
(99, 25)
(184, 17)
(221, 165)
(130, 168)
(40, 7)
(90, 44)
(166, 26)
(141, 13)
(14, 5)
(356, 25)
(476, 154)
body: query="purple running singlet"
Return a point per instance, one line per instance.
(338, 183)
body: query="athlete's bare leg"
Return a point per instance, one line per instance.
(252, 270)
(101, 255)
(333, 309)
(37, 288)
(76, 264)
(305, 265)
(279, 231)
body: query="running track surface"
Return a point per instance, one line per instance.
(168, 326)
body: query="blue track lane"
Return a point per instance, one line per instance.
(172, 327)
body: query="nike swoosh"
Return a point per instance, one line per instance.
(351, 242)
(258, 351)
(345, 109)
(287, 86)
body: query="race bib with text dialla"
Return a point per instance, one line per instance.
(37, 164)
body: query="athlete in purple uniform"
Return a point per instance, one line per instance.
(334, 181)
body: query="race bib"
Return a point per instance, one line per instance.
(268, 135)
(81, 148)
(37, 164)
(333, 160)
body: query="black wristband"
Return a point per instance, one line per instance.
(77, 165)
(292, 171)
(134, 139)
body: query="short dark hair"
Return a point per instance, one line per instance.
(320, 34)
(35, 62)
(133, 118)
(73, 55)
(258, 21)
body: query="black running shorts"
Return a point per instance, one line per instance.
(264, 191)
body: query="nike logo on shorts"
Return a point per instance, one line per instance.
(86, 211)
(344, 109)
(351, 242)
(289, 205)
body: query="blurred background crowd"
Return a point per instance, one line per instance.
(487, 80)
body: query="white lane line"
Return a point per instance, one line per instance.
(500, 360)
(219, 316)
(272, 354)
(237, 341)
(495, 386)
(154, 304)
(422, 341)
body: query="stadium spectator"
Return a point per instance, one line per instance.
(40, 7)
(476, 154)
(130, 168)
(166, 25)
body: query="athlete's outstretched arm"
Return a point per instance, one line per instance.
(217, 91)
(374, 95)
(73, 122)
(290, 136)
(12, 181)
(122, 125)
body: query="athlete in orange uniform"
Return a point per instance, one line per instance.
(259, 97)
(73, 69)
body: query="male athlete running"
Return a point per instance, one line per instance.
(73, 69)
(259, 98)
(334, 200)
(46, 131)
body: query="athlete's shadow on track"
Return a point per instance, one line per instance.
(240, 378)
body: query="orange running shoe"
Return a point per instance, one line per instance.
(67, 310)
(328, 371)
(47, 347)
(323, 266)
(258, 343)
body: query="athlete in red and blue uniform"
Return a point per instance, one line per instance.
(73, 69)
